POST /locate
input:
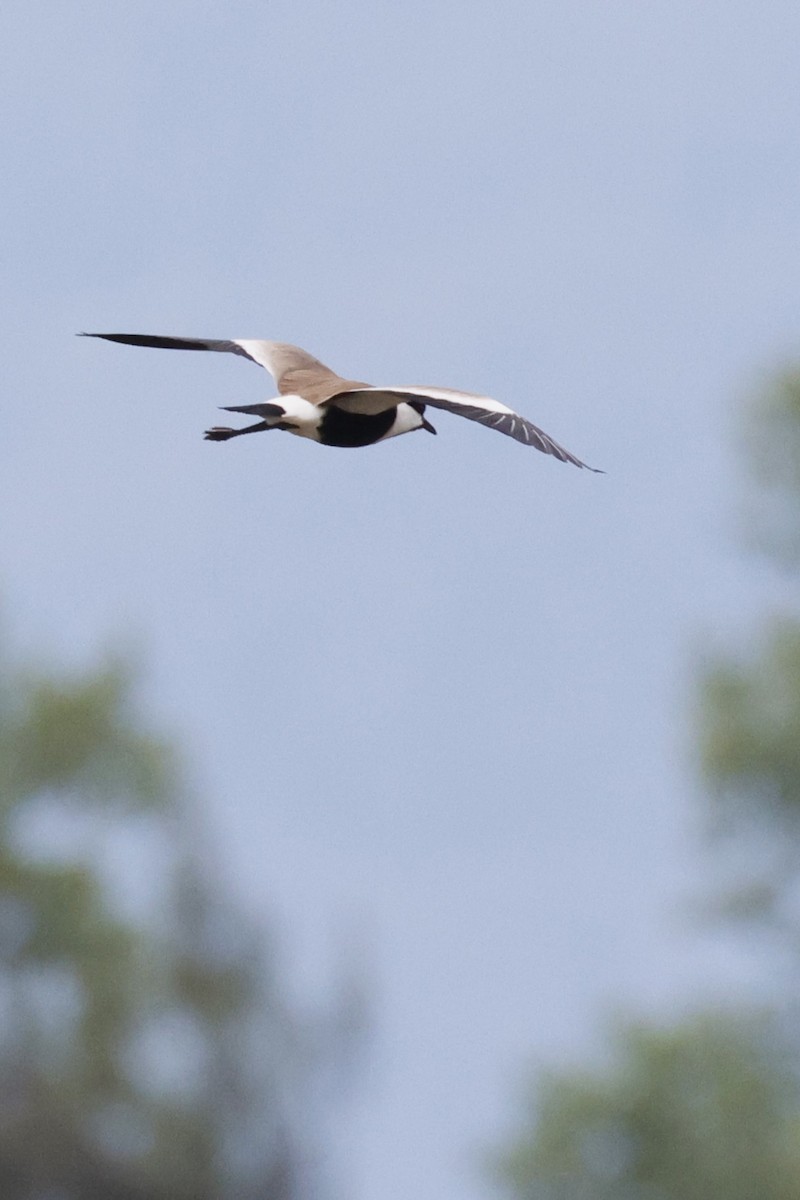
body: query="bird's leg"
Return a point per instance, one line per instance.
(221, 433)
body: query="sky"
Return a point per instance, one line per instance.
(434, 696)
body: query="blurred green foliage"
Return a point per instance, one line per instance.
(748, 715)
(709, 1109)
(146, 1050)
(706, 1111)
(771, 448)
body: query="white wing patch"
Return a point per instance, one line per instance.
(262, 353)
(454, 396)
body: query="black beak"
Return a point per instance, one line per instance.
(419, 407)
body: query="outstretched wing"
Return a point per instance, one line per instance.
(463, 404)
(294, 370)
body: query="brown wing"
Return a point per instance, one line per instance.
(294, 370)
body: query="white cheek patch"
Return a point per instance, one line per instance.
(407, 420)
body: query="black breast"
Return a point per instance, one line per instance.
(340, 428)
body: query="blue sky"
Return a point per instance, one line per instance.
(436, 692)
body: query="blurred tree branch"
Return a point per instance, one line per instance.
(140, 1057)
(710, 1109)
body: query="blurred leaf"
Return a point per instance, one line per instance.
(138, 1060)
(706, 1111)
(709, 1110)
(771, 438)
(749, 733)
(79, 736)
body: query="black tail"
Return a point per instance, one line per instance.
(258, 410)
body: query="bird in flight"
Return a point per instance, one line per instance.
(316, 403)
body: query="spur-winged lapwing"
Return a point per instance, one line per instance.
(317, 403)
